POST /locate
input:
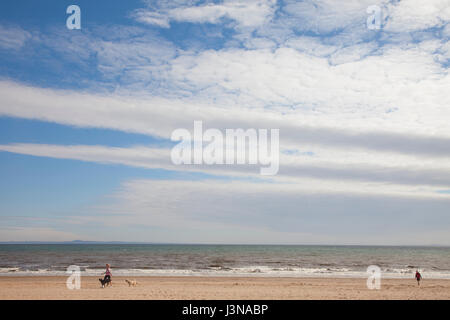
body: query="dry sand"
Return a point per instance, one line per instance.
(189, 288)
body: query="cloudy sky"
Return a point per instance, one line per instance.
(364, 117)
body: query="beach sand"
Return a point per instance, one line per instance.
(193, 288)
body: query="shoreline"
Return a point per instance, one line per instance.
(216, 288)
(218, 276)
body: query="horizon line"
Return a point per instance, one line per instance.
(219, 244)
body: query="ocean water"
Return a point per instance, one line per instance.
(224, 260)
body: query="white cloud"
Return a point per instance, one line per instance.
(13, 38)
(324, 172)
(311, 46)
(327, 16)
(353, 53)
(446, 31)
(153, 18)
(413, 15)
(135, 156)
(307, 81)
(361, 93)
(417, 128)
(123, 55)
(248, 14)
(243, 212)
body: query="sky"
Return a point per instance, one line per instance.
(363, 113)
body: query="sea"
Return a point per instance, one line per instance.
(224, 260)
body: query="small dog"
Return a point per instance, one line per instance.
(105, 282)
(131, 283)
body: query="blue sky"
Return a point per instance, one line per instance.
(86, 118)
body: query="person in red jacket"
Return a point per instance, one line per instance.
(418, 277)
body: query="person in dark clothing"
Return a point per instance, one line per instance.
(418, 277)
(106, 281)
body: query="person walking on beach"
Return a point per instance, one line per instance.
(108, 275)
(418, 277)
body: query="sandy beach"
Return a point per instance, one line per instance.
(193, 288)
